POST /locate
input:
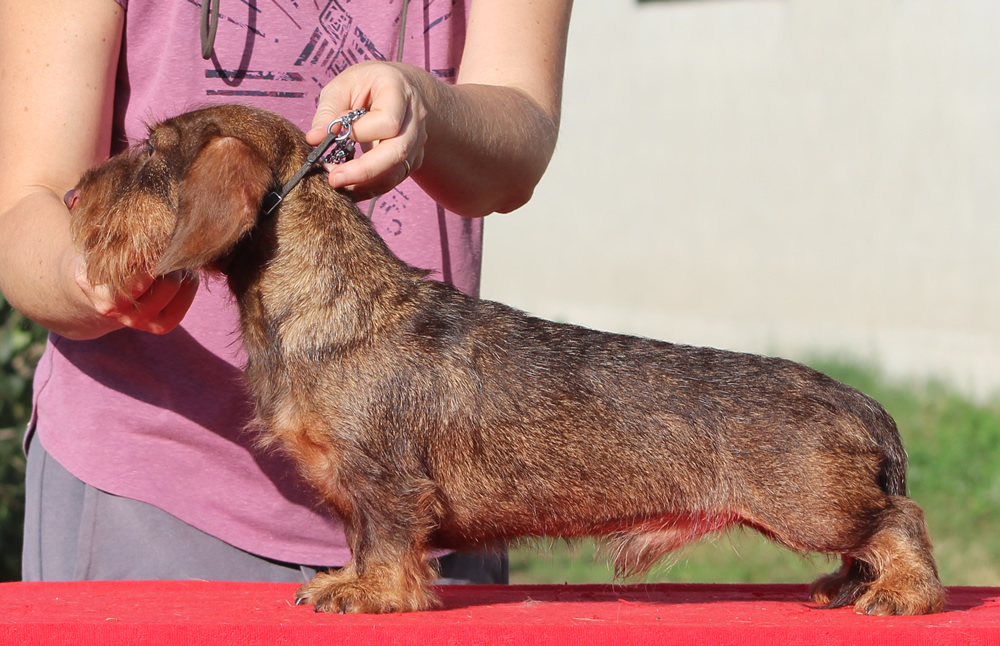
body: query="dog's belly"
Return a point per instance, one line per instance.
(551, 502)
(660, 535)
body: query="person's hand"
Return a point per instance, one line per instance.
(475, 146)
(392, 134)
(154, 305)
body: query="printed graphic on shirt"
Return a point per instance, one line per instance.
(325, 39)
(330, 39)
(337, 43)
(389, 211)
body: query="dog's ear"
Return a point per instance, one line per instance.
(218, 201)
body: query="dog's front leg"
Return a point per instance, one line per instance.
(388, 571)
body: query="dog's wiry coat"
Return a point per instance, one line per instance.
(428, 419)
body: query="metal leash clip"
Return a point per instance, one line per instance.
(342, 151)
(343, 145)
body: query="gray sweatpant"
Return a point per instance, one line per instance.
(73, 531)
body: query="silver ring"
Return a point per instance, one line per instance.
(345, 129)
(346, 122)
(406, 168)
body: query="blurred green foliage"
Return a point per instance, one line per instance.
(21, 344)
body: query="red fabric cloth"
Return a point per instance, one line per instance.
(247, 614)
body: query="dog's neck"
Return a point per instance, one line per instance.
(314, 278)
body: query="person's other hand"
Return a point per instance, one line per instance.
(155, 305)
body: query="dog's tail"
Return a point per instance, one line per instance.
(892, 477)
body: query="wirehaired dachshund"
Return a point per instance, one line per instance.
(427, 419)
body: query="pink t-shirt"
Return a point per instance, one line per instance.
(161, 418)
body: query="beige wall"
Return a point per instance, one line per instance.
(795, 177)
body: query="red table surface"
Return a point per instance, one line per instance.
(202, 612)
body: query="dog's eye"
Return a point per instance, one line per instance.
(149, 148)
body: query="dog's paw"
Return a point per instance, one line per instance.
(837, 590)
(881, 602)
(826, 588)
(338, 592)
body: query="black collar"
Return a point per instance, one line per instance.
(343, 151)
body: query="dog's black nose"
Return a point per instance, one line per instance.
(71, 197)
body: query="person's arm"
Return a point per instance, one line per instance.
(478, 146)
(58, 61)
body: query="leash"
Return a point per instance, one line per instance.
(209, 25)
(343, 150)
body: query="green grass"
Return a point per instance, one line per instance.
(954, 450)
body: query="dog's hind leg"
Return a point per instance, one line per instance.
(893, 573)
(905, 578)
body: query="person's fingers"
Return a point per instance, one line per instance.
(148, 304)
(334, 102)
(107, 300)
(162, 307)
(382, 167)
(389, 115)
(173, 313)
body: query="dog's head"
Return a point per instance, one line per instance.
(185, 196)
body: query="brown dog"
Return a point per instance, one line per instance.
(428, 419)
